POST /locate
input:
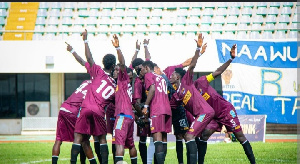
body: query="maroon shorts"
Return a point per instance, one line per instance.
(90, 123)
(214, 125)
(110, 122)
(200, 122)
(161, 123)
(65, 126)
(230, 120)
(123, 132)
(189, 116)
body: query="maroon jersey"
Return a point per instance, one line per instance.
(139, 91)
(110, 110)
(192, 99)
(123, 95)
(216, 101)
(160, 102)
(74, 102)
(169, 70)
(101, 92)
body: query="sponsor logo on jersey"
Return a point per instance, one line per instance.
(187, 97)
(117, 88)
(201, 118)
(191, 130)
(232, 113)
(206, 96)
(152, 128)
(186, 128)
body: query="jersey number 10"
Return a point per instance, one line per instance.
(108, 90)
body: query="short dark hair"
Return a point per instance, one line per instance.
(149, 64)
(129, 70)
(109, 60)
(137, 61)
(180, 71)
(155, 65)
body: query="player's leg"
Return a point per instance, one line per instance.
(130, 143)
(97, 148)
(202, 144)
(56, 151)
(82, 155)
(165, 144)
(179, 148)
(150, 152)
(246, 145)
(119, 153)
(143, 148)
(75, 150)
(103, 149)
(87, 149)
(133, 155)
(191, 148)
(159, 149)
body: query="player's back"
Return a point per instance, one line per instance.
(160, 102)
(74, 101)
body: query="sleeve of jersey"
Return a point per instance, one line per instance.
(138, 88)
(201, 82)
(131, 66)
(87, 66)
(169, 70)
(148, 80)
(123, 76)
(96, 70)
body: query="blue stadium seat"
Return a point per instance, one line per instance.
(287, 4)
(79, 21)
(56, 5)
(284, 19)
(142, 20)
(271, 19)
(280, 35)
(295, 20)
(206, 20)
(117, 21)
(286, 11)
(3, 13)
(183, 12)
(144, 13)
(120, 5)
(230, 27)
(62, 36)
(294, 26)
(195, 12)
(270, 27)
(282, 26)
(217, 27)
(158, 5)
(247, 11)
(106, 13)
(221, 12)
(245, 19)
(52, 21)
(228, 35)
(235, 4)
(183, 5)
(256, 26)
(44, 5)
(3, 5)
(37, 36)
(267, 35)
(102, 36)
(190, 35)
(70, 5)
(232, 20)
(40, 21)
(83, 13)
(154, 27)
(208, 5)
(234, 11)
(195, 20)
(166, 27)
(181, 20)
(130, 20)
(68, 13)
(274, 4)
(170, 20)
(248, 4)
(178, 35)
(49, 36)
(108, 5)
(273, 11)
(91, 21)
(55, 13)
(169, 5)
(156, 12)
(126, 36)
(242, 35)
(219, 20)
(145, 5)
(39, 29)
(261, 4)
(155, 20)
(42, 13)
(64, 28)
(119, 13)
(193, 28)
(75, 36)
(293, 34)
(254, 35)
(94, 13)
(222, 5)
(128, 27)
(132, 5)
(296, 11)
(67, 21)
(208, 12)
(179, 27)
(242, 26)
(257, 19)
(95, 5)
(261, 11)
(103, 27)
(132, 13)
(166, 35)
(216, 35)
(51, 29)
(77, 28)
(197, 5)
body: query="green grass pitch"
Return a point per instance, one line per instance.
(230, 153)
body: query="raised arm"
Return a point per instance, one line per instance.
(223, 67)
(121, 59)
(88, 53)
(197, 54)
(149, 98)
(137, 49)
(187, 62)
(147, 53)
(77, 57)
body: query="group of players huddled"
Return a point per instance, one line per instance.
(107, 103)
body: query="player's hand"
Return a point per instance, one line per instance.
(232, 52)
(115, 42)
(200, 40)
(69, 47)
(203, 48)
(84, 35)
(145, 111)
(137, 45)
(146, 41)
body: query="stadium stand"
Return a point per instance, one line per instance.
(261, 20)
